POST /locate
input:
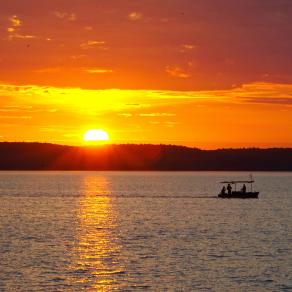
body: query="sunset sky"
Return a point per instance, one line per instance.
(203, 73)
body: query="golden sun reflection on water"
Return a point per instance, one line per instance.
(96, 267)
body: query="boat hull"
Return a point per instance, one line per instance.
(240, 195)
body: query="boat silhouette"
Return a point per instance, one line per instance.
(241, 194)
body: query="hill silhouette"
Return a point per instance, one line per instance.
(43, 156)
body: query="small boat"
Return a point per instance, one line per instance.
(242, 194)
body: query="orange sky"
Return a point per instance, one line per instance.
(187, 72)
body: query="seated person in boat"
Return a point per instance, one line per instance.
(223, 191)
(229, 189)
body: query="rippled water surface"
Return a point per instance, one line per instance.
(153, 231)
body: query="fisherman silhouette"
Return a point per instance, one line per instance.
(229, 189)
(223, 191)
(244, 189)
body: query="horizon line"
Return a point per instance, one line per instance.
(146, 144)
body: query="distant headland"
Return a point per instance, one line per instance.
(44, 156)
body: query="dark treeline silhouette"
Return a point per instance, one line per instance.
(39, 156)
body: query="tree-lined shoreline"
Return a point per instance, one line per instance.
(45, 156)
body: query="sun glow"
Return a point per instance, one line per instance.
(95, 136)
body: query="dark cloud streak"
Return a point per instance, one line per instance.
(270, 100)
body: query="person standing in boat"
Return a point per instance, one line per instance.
(244, 189)
(229, 189)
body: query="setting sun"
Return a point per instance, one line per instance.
(96, 136)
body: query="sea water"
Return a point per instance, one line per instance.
(152, 231)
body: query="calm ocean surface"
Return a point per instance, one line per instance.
(152, 231)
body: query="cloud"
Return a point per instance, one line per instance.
(134, 104)
(14, 29)
(88, 28)
(169, 124)
(92, 44)
(225, 35)
(150, 115)
(21, 36)
(198, 111)
(270, 100)
(15, 21)
(262, 92)
(126, 115)
(98, 70)
(189, 46)
(15, 117)
(92, 100)
(52, 110)
(77, 57)
(10, 29)
(134, 16)
(65, 15)
(176, 72)
(157, 115)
